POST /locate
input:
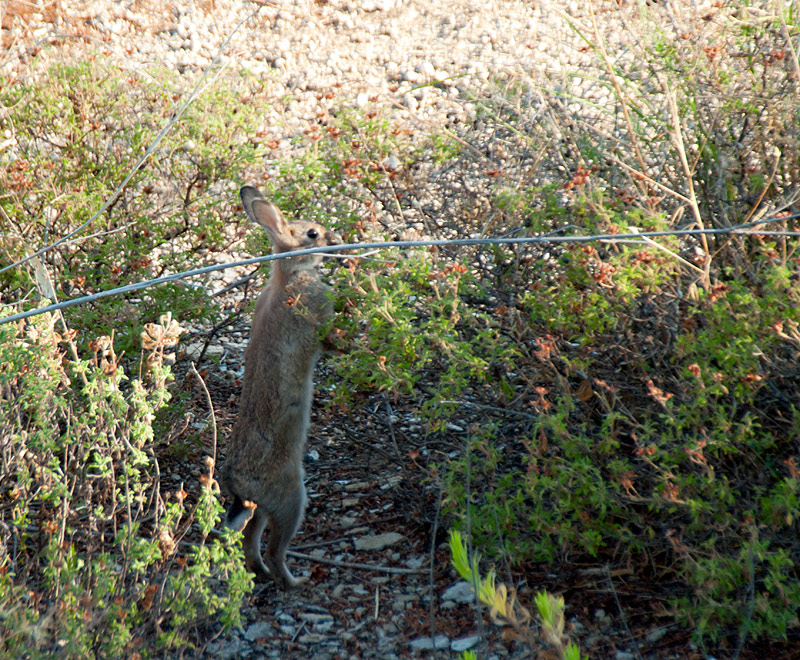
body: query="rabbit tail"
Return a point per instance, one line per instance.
(237, 515)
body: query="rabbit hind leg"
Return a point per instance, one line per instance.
(284, 523)
(251, 544)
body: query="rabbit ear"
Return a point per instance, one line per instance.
(248, 194)
(264, 213)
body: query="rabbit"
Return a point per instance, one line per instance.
(262, 477)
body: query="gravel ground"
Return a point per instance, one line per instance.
(365, 52)
(317, 56)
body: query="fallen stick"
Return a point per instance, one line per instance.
(361, 567)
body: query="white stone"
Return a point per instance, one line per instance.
(428, 644)
(378, 542)
(460, 592)
(465, 643)
(259, 630)
(410, 102)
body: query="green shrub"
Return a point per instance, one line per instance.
(398, 330)
(92, 562)
(80, 128)
(641, 399)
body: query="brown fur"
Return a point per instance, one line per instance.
(264, 462)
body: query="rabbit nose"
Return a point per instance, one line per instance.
(333, 238)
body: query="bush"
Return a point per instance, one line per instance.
(80, 128)
(92, 561)
(636, 400)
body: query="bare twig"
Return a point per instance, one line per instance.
(789, 42)
(233, 285)
(650, 180)
(677, 137)
(675, 256)
(766, 187)
(471, 552)
(622, 613)
(392, 570)
(615, 81)
(431, 576)
(299, 630)
(501, 411)
(751, 601)
(213, 416)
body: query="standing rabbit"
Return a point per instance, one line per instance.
(264, 462)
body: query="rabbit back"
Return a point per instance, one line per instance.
(277, 389)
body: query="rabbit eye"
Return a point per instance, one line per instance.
(312, 233)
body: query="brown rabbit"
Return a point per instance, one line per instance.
(264, 462)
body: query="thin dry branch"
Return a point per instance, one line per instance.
(618, 91)
(392, 570)
(677, 138)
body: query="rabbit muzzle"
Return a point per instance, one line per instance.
(333, 238)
